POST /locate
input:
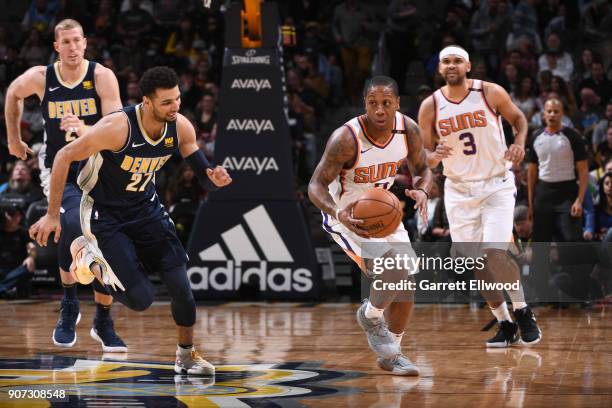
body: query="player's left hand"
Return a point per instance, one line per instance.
(515, 154)
(41, 230)
(71, 123)
(576, 210)
(421, 202)
(219, 176)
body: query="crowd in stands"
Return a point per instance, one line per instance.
(535, 49)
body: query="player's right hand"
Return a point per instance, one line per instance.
(20, 149)
(41, 230)
(442, 151)
(345, 216)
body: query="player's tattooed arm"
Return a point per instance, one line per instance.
(419, 168)
(341, 151)
(434, 149)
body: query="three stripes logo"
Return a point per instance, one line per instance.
(250, 250)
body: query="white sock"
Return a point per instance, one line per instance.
(372, 312)
(397, 337)
(518, 305)
(518, 298)
(501, 313)
(183, 350)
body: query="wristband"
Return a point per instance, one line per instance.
(198, 162)
(426, 195)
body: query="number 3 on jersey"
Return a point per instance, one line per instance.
(468, 141)
(137, 178)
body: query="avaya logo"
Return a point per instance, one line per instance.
(245, 263)
(248, 83)
(254, 125)
(250, 57)
(256, 164)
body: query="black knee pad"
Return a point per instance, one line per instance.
(138, 298)
(99, 288)
(179, 289)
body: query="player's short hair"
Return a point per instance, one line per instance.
(521, 213)
(381, 80)
(157, 78)
(67, 24)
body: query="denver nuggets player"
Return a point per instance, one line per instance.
(74, 93)
(127, 231)
(465, 119)
(362, 154)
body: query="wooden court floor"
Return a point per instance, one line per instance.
(288, 355)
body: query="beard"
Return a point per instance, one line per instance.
(162, 118)
(456, 80)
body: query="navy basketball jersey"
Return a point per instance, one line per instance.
(126, 178)
(60, 99)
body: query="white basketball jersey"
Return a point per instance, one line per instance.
(376, 164)
(474, 132)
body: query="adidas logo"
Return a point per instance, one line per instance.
(250, 258)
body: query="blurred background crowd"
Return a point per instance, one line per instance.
(535, 49)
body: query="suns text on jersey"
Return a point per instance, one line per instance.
(462, 121)
(376, 172)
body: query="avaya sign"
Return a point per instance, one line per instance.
(250, 125)
(251, 83)
(255, 164)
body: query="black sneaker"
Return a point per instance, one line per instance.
(103, 331)
(64, 334)
(530, 332)
(507, 335)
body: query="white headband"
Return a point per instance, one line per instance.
(454, 51)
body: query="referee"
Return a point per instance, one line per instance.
(557, 157)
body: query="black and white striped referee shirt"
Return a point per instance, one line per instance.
(556, 154)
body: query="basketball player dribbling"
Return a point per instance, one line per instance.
(362, 154)
(464, 118)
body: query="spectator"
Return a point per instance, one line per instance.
(599, 133)
(524, 97)
(132, 94)
(523, 228)
(34, 52)
(20, 185)
(555, 59)
(557, 160)
(32, 117)
(310, 104)
(430, 231)
(520, 179)
(510, 79)
(182, 44)
(582, 69)
(402, 33)
(167, 15)
(16, 255)
(597, 23)
(598, 82)
(489, 28)
(128, 57)
(104, 21)
(525, 26)
(312, 79)
(603, 211)
(525, 63)
(207, 123)
(587, 117)
(351, 22)
(604, 149)
(559, 86)
(333, 76)
(39, 15)
(135, 21)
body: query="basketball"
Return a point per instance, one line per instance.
(380, 210)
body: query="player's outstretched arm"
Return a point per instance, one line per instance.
(210, 178)
(434, 150)
(110, 133)
(29, 83)
(501, 102)
(341, 150)
(418, 166)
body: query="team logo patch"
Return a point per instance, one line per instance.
(169, 142)
(87, 85)
(151, 384)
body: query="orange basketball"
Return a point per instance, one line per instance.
(380, 210)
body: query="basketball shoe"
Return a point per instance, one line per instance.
(103, 331)
(507, 335)
(188, 361)
(83, 259)
(379, 339)
(530, 332)
(398, 365)
(64, 334)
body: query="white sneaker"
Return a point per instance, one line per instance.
(190, 362)
(379, 338)
(83, 255)
(399, 365)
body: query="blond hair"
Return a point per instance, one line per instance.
(67, 24)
